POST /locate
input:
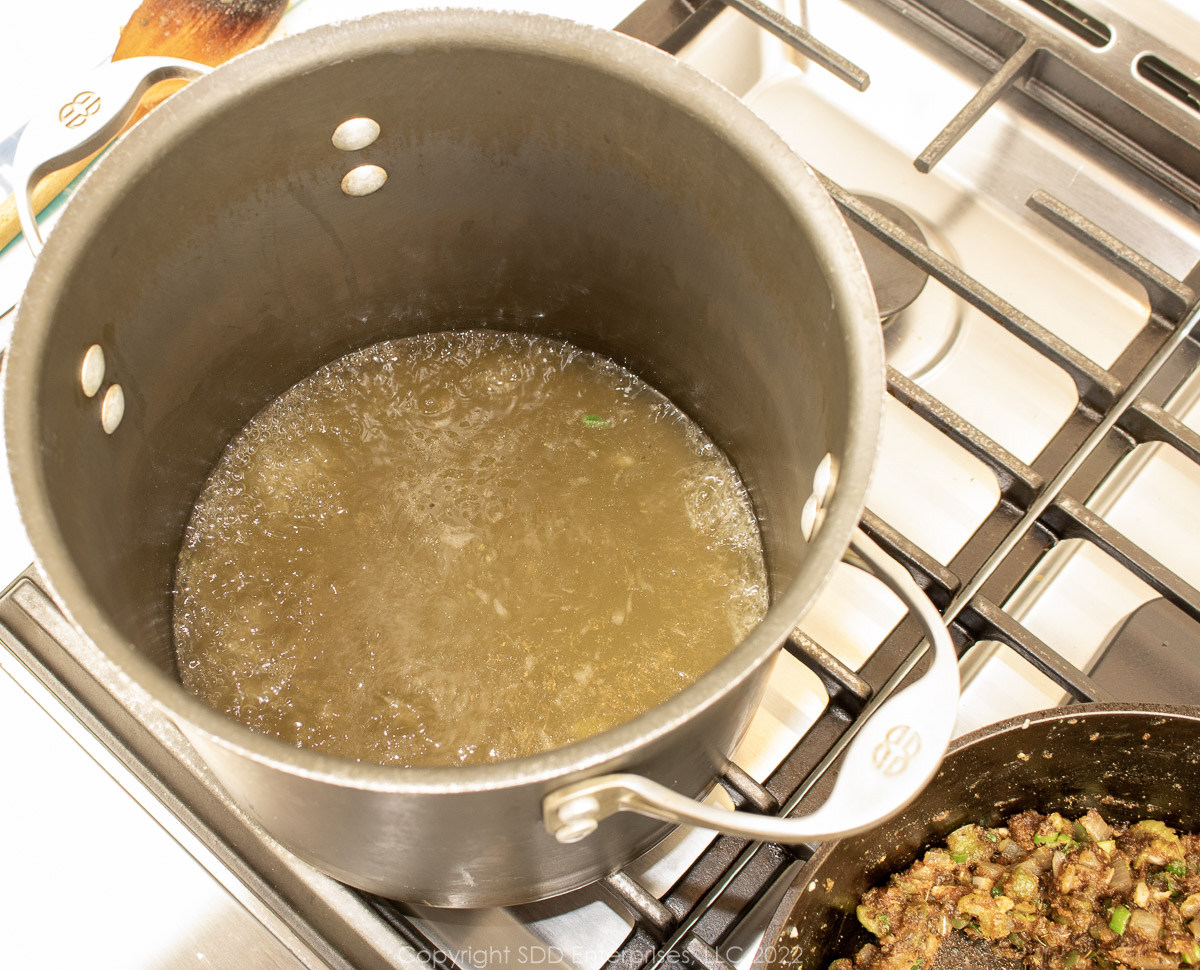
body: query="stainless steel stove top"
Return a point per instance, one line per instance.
(1038, 474)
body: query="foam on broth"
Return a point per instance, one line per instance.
(459, 548)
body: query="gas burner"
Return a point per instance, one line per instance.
(921, 324)
(896, 280)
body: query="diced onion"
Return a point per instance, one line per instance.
(989, 870)
(1097, 829)
(1121, 879)
(1145, 924)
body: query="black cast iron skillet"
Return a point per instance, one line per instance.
(1128, 761)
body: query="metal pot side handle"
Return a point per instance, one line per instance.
(889, 761)
(87, 117)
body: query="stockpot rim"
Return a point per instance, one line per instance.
(600, 50)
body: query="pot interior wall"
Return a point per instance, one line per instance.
(524, 192)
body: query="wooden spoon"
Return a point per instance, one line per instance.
(208, 31)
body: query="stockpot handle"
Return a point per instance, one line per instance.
(891, 758)
(72, 128)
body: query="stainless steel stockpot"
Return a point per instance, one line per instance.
(540, 176)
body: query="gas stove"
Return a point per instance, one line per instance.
(1024, 177)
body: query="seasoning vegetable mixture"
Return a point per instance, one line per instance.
(1054, 893)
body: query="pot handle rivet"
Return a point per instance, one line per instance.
(579, 819)
(810, 517)
(823, 480)
(363, 180)
(91, 371)
(354, 134)
(112, 408)
(812, 513)
(576, 831)
(897, 745)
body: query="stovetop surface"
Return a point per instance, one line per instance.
(950, 485)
